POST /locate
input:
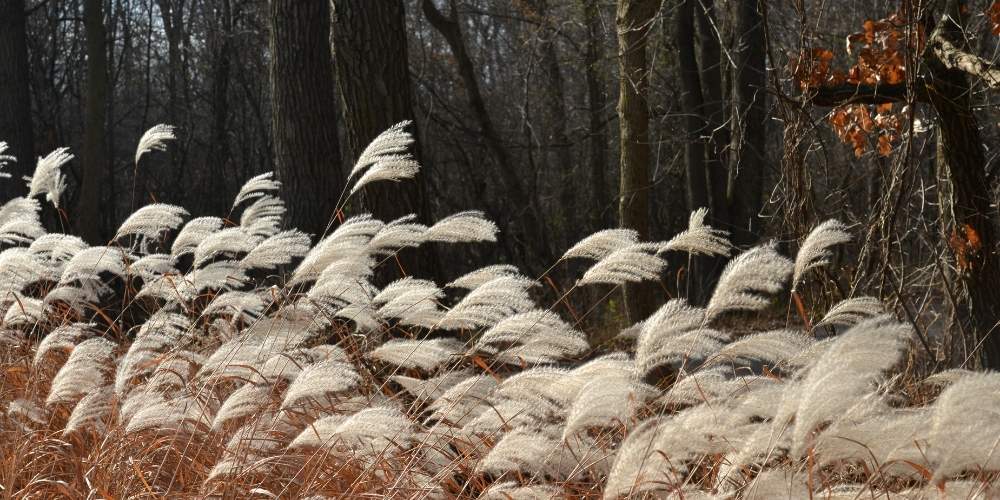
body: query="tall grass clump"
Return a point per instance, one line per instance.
(234, 357)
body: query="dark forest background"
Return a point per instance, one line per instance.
(556, 117)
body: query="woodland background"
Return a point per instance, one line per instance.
(555, 117)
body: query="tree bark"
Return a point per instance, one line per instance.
(94, 140)
(692, 103)
(15, 101)
(746, 169)
(219, 150)
(713, 108)
(968, 201)
(633, 21)
(597, 101)
(369, 43)
(304, 112)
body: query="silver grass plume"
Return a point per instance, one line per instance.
(536, 336)
(397, 234)
(600, 244)
(256, 187)
(483, 275)
(464, 227)
(193, 233)
(851, 311)
(88, 366)
(263, 217)
(816, 249)
(277, 250)
(5, 159)
(155, 139)
(846, 372)
(965, 427)
(152, 220)
(633, 263)
(700, 238)
(747, 281)
(372, 430)
(393, 143)
(92, 412)
(317, 380)
(773, 347)
(48, 178)
(490, 303)
(423, 354)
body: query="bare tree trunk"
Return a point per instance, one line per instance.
(692, 103)
(369, 41)
(15, 102)
(633, 21)
(219, 150)
(746, 168)
(714, 107)
(94, 140)
(597, 100)
(968, 202)
(304, 111)
(530, 239)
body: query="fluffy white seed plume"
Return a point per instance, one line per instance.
(600, 244)
(88, 264)
(773, 347)
(527, 450)
(193, 233)
(56, 249)
(318, 380)
(183, 414)
(48, 178)
(463, 402)
(86, 369)
(5, 159)
(423, 354)
(370, 430)
(231, 241)
(152, 220)
(484, 275)
(700, 238)
(249, 399)
(393, 143)
(747, 281)
(965, 428)
(63, 338)
(263, 217)
(155, 139)
(852, 311)
(161, 332)
(541, 335)
(816, 249)
(605, 402)
(397, 234)
(286, 366)
(19, 268)
(389, 168)
(153, 266)
(433, 387)
(25, 311)
(278, 250)
(634, 263)
(635, 468)
(18, 232)
(256, 187)
(247, 306)
(27, 411)
(659, 337)
(490, 303)
(239, 357)
(846, 372)
(349, 241)
(91, 412)
(464, 227)
(413, 301)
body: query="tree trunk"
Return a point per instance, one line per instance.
(597, 101)
(369, 41)
(692, 103)
(15, 102)
(94, 146)
(529, 238)
(633, 21)
(714, 108)
(746, 169)
(968, 202)
(304, 112)
(219, 151)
